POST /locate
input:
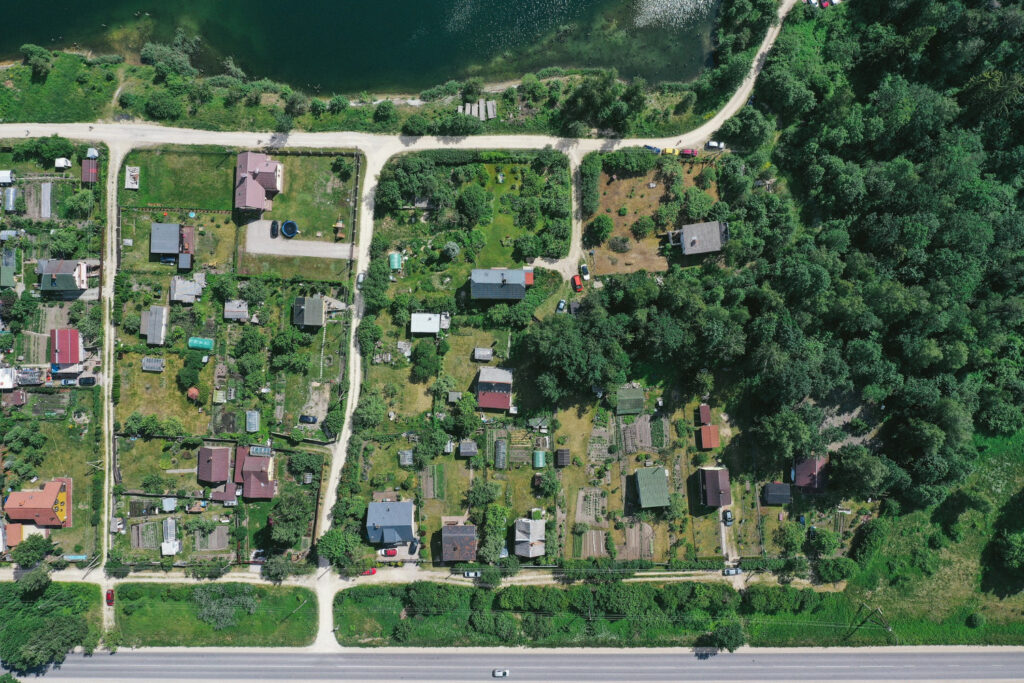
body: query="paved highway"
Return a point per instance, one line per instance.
(913, 664)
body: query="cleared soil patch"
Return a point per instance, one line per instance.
(639, 200)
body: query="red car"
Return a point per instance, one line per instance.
(389, 552)
(369, 572)
(688, 152)
(577, 283)
(110, 597)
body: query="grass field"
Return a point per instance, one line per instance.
(186, 178)
(294, 267)
(314, 197)
(166, 615)
(138, 458)
(158, 393)
(72, 91)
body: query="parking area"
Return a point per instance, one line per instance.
(259, 241)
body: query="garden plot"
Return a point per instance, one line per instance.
(639, 543)
(592, 507)
(594, 544)
(597, 447)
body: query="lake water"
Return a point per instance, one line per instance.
(399, 45)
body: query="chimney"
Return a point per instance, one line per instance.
(503, 279)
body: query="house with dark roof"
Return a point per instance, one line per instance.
(255, 474)
(700, 238)
(494, 388)
(164, 239)
(562, 457)
(629, 401)
(501, 284)
(714, 487)
(390, 522)
(66, 350)
(214, 464)
(458, 543)
(90, 171)
(652, 487)
(153, 325)
(258, 178)
(529, 537)
(236, 309)
(62, 277)
(308, 311)
(709, 437)
(776, 494)
(811, 474)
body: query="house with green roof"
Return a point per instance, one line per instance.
(630, 401)
(652, 487)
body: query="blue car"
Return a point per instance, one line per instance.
(651, 148)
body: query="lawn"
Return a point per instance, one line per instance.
(181, 178)
(305, 268)
(158, 393)
(166, 615)
(314, 197)
(458, 362)
(141, 457)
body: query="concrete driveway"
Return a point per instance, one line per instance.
(259, 241)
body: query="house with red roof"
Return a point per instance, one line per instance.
(47, 507)
(811, 474)
(257, 179)
(494, 388)
(66, 350)
(709, 437)
(255, 473)
(214, 464)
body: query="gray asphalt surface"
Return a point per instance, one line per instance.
(633, 665)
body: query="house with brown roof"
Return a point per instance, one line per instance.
(494, 388)
(704, 414)
(714, 487)
(214, 464)
(811, 474)
(49, 507)
(458, 543)
(255, 473)
(709, 437)
(90, 171)
(258, 178)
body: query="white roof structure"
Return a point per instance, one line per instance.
(6, 177)
(92, 153)
(425, 323)
(62, 163)
(7, 377)
(131, 178)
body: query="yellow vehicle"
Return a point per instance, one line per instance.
(670, 150)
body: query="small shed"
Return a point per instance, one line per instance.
(425, 323)
(562, 457)
(168, 504)
(454, 396)
(776, 494)
(395, 260)
(236, 309)
(500, 454)
(709, 437)
(92, 153)
(539, 459)
(6, 177)
(705, 414)
(468, 448)
(252, 421)
(62, 163)
(483, 354)
(405, 458)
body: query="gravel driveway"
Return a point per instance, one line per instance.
(259, 241)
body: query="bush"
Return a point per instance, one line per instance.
(642, 227)
(619, 244)
(598, 231)
(590, 176)
(163, 106)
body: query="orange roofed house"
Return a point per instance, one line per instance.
(50, 507)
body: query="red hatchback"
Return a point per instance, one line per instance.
(110, 597)
(369, 572)
(577, 283)
(389, 552)
(688, 152)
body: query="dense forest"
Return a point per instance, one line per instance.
(881, 269)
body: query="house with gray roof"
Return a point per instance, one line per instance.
(529, 537)
(185, 291)
(700, 238)
(308, 311)
(236, 309)
(500, 284)
(390, 523)
(153, 325)
(405, 458)
(468, 448)
(152, 364)
(483, 354)
(164, 239)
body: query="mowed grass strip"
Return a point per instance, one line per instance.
(166, 615)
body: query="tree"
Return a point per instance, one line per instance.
(490, 577)
(749, 129)
(482, 493)
(223, 288)
(599, 230)
(80, 204)
(451, 250)
(1011, 549)
(464, 417)
(425, 361)
(823, 543)
(370, 412)
(549, 484)
(341, 548)
(290, 517)
(789, 536)
(474, 205)
(39, 59)
(337, 104)
(35, 582)
(836, 569)
(385, 114)
(343, 167)
(368, 334)
(277, 568)
(728, 635)
(32, 550)
(162, 105)
(317, 107)
(642, 227)
(416, 125)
